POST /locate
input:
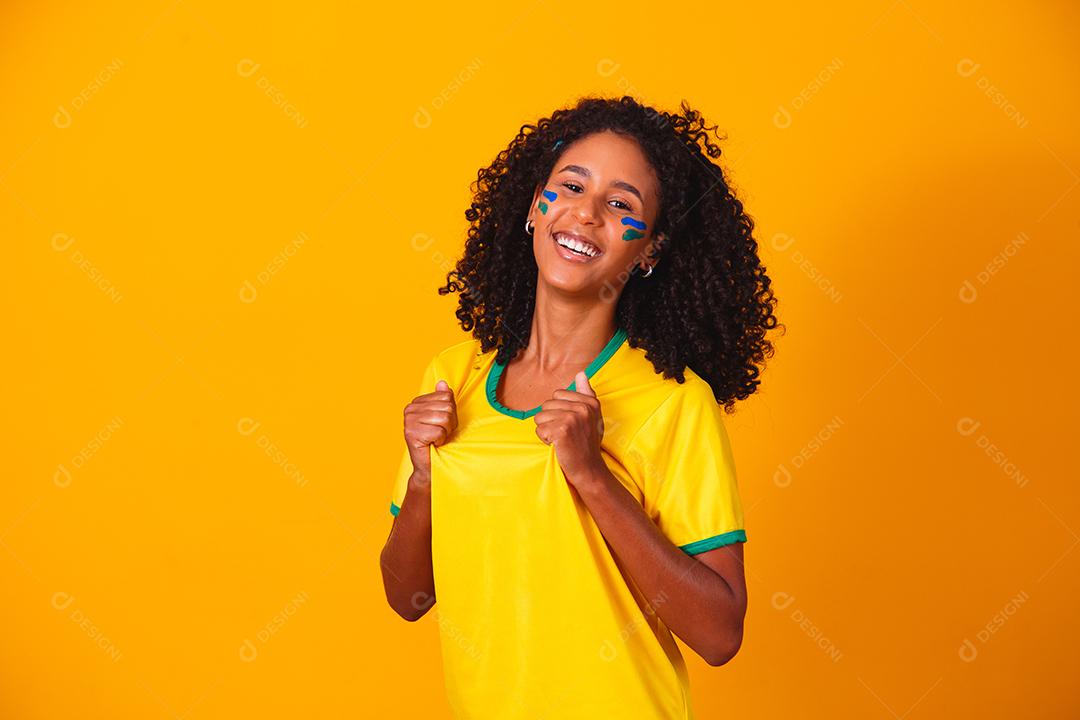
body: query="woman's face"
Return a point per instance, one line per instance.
(604, 193)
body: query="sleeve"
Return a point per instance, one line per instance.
(687, 468)
(401, 481)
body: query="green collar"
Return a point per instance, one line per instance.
(496, 372)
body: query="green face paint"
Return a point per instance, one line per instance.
(550, 197)
(632, 234)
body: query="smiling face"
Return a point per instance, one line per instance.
(594, 217)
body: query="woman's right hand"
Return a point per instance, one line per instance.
(429, 420)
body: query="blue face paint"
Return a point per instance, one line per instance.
(550, 197)
(633, 234)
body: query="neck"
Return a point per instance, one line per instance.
(566, 331)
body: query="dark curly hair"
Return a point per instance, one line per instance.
(707, 305)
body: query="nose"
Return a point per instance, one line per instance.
(584, 210)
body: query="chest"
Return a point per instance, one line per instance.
(524, 388)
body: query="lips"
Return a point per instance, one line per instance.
(580, 238)
(572, 255)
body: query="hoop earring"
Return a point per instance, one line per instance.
(662, 237)
(528, 230)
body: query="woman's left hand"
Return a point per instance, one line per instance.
(571, 421)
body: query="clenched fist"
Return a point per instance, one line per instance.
(430, 419)
(571, 421)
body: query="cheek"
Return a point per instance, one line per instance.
(550, 197)
(635, 231)
(621, 257)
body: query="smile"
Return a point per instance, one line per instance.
(574, 249)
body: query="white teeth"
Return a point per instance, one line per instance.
(575, 245)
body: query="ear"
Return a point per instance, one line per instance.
(653, 252)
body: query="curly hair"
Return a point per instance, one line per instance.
(707, 305)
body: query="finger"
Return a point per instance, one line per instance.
(442, 391)
(546, 416)
(447, 395)
(438, 401)
(581, 382)
(432, 417)
(574, 396)
(570, 416)
(570, 405)
(425, 434)
(433, 411)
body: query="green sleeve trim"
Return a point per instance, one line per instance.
(394, 509)
(714, 542)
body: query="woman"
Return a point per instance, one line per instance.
(568, 485)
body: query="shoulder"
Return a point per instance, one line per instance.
(690, 400)
(660, 401)
(665, 390)
(694, 391)
(460, 352)
(459, 363)
(687, 427)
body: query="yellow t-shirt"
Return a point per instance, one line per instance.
(537, 618)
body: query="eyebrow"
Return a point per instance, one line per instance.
(584, 171)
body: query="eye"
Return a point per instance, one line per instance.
(574, 187)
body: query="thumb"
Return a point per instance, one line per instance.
(581, 382)
(441, 385)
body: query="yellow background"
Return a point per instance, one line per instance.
(223, 228)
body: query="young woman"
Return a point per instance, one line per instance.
(567, 493)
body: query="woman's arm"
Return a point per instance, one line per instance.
(408, 576)
(701, 598)
(406, 558)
